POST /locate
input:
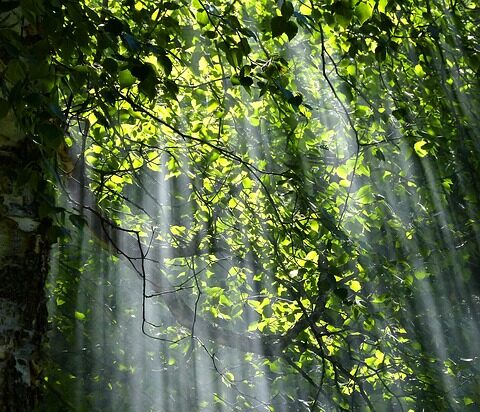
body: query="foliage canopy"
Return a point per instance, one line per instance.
(297, 181)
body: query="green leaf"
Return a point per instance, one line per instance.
(246, 81)
(15, 71)
(51, 135)
(142, 71)
(38, 69)
(363, 11)
(171, 88)
(114, 26)
(287, 9)
(296, 100)
(148, 87)
(125, 79)
(234, 56)
(277, 25)
(79, 315)
(342, 293)
(178, 230)
(419, 70)
(292, 121)
(380, 53)
(291, 29)
(170, 5)
(235, 80)
(421, 274)
(468, 401)
(223, 300)
(211, 34)
(131, 42)
(343, 12)
(400, 113)
(110, 65)
(379, 154)
(418, 147)
(202, 18)
(355, 285)
(166, 64)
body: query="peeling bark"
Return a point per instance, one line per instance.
(24, 254)
(24, 245)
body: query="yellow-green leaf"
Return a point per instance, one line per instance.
(418, 147)
(364, 11)
(419, 70)
(79, 315)
(355, 285)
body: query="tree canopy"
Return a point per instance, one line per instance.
(296, 182)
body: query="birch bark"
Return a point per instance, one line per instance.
(24, 251)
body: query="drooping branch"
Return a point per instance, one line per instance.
(126, 244)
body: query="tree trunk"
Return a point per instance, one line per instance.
(24, 251)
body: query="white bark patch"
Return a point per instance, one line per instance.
(10, 328)
(25, 224)
(9, 324)
(23, 356)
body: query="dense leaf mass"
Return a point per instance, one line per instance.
(295, 181)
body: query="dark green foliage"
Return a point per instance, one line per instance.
(317, 166)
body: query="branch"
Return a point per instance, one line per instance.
(108, 235)
(127, 245)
